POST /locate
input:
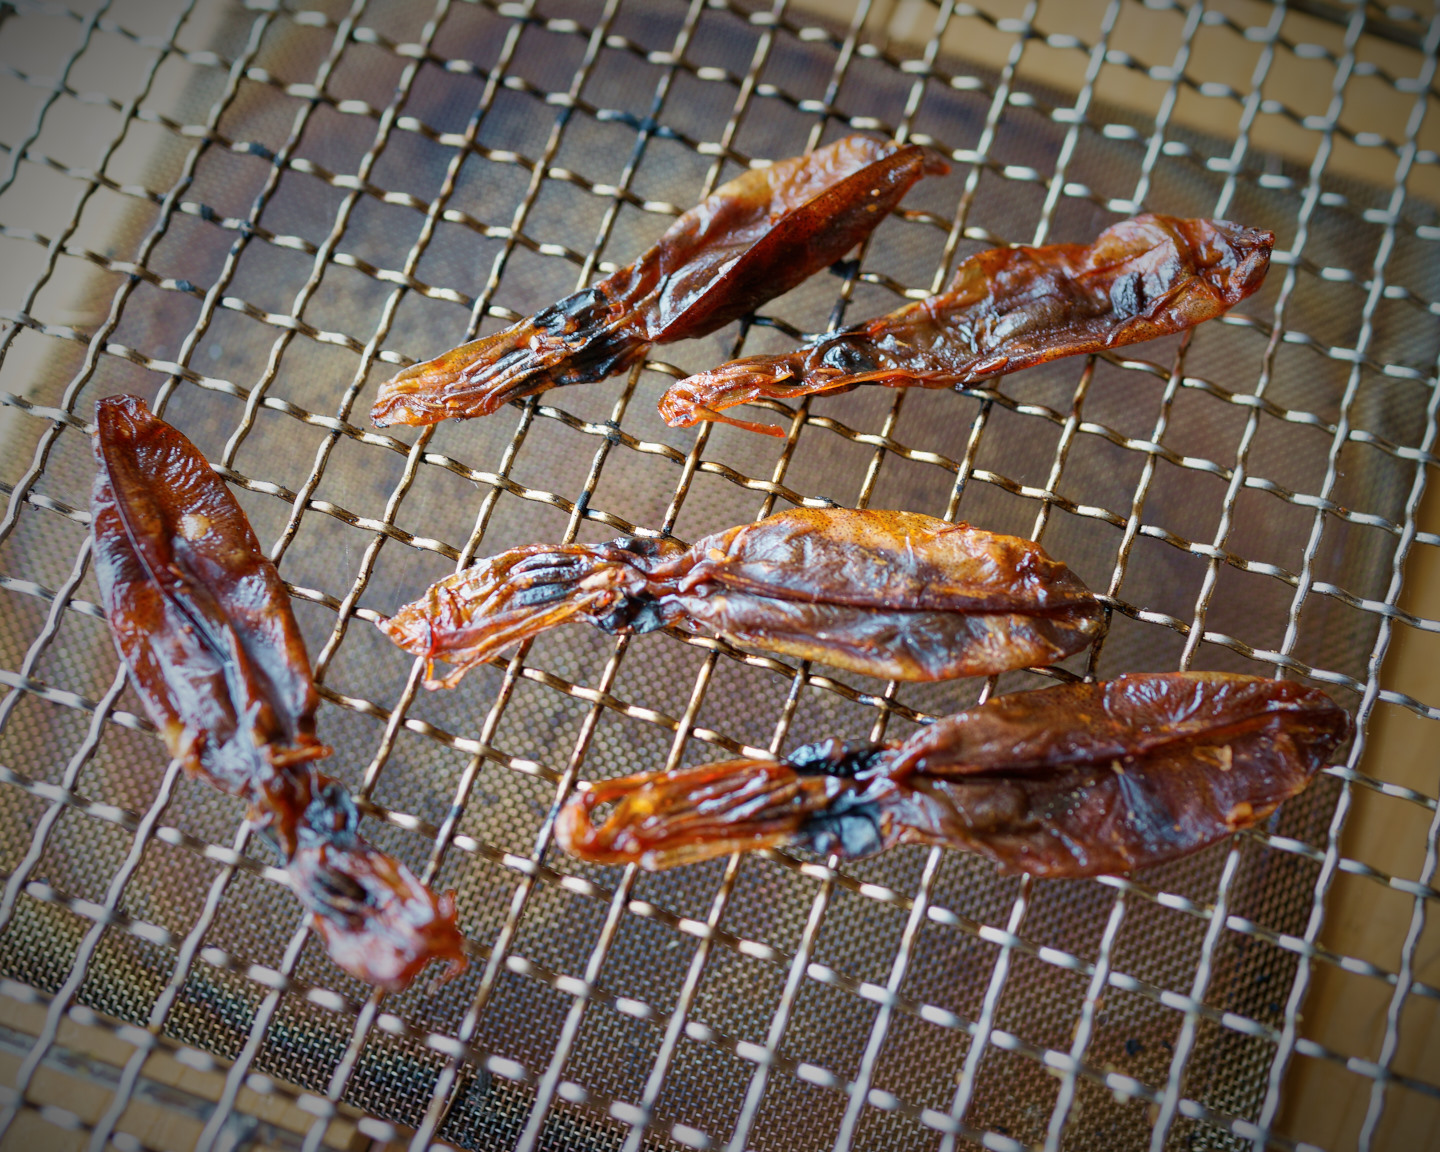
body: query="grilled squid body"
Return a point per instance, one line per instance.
(753, 239)
(890, 594)
(203, 623)
(1076, 780)
(1007, 309)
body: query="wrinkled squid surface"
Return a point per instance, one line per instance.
(891, 594)
(753, 239)
(1007, 309)
(1077, 780)
(204, 625)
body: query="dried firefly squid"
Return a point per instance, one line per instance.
(890, 594)
(1007, 309)
(1076, 780)
(204, 625)
(753, 239)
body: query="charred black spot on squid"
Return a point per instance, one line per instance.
(632, 548)
(633, 616)
(598, 357)
(570, 314)
(540, 593)
(833, 758)
(1127, 295)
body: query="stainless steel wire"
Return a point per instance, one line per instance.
(454, 1066)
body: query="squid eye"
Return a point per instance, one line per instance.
(853, 834)
(847, 358)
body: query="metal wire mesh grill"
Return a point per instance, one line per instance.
(287, 201)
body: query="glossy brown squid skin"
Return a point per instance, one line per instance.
(753, 239)
(891, 594)
(1077, 780)
(204, 626)
(1007, 309)
(378, 921)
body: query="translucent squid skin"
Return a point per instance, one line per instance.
(378, 921)
(753, 239)
(204, 626)
(891, 594)
(1007, 309)
(1077, 780)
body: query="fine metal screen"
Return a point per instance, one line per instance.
(252, 214)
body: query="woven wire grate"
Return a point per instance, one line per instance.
(327, 192)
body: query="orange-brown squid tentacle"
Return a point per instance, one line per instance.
(753, 239)
(1077, 780)
(204, 625)
(1008, 309)
(891, 594)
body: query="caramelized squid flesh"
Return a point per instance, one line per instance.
(1077, 780)
(1007, 309)
(204, 625)
(896, 595)
(378, 921)
(753, 239)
